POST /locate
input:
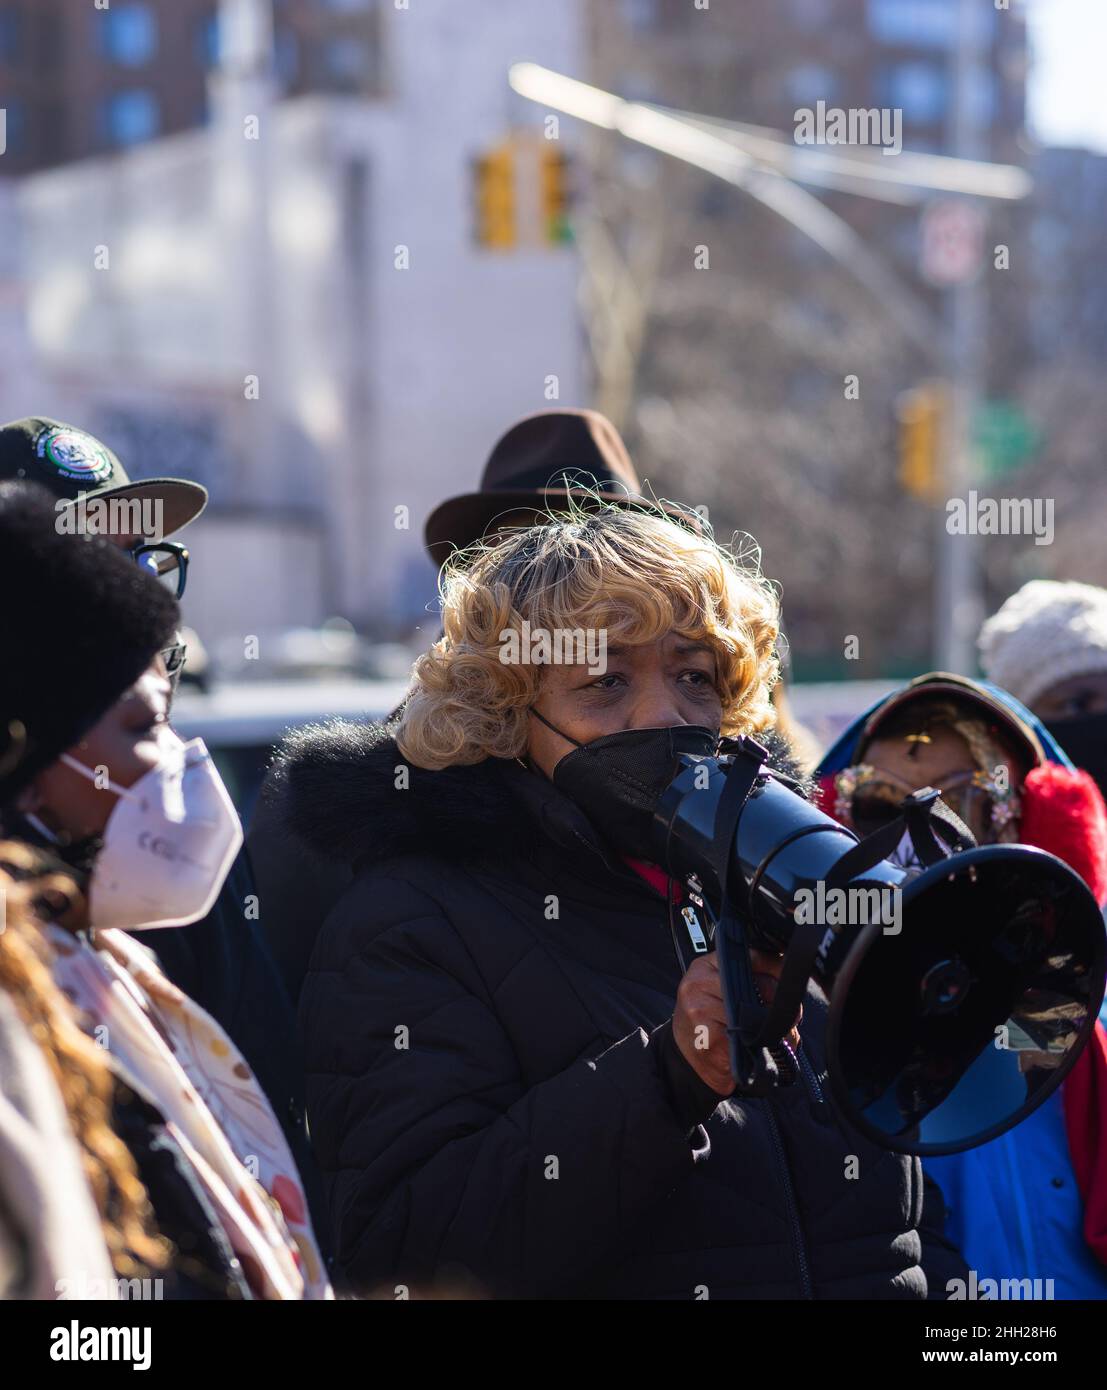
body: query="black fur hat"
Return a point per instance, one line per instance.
(79, 623)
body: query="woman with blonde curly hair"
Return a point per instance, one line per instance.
(515, 1083)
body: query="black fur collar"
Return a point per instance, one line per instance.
(336, 788)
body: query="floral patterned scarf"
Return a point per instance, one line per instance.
(175, 1055)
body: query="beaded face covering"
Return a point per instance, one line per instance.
(867, 797)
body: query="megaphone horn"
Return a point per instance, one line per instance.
(954, 1014)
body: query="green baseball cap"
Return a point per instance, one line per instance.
(71, 464)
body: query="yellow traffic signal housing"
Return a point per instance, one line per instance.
(555, 194)
(494, 175)
(921, 415)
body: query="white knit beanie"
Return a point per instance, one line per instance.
(1044, 634)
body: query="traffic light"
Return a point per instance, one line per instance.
(494, 179)
(921, 414)
(554, 182)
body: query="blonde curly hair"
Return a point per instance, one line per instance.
(631, 573)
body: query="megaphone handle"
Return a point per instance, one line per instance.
(755, 1072)
(799, 961)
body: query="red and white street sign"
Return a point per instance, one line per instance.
(952, 241)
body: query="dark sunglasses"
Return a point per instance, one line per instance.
(167, 561)
(174, 658)
(872, 799)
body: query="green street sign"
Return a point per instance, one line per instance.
(1005, 439)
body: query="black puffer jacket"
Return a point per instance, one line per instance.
(482, 1021)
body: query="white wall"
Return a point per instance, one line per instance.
(249, 576)
(463, 341)
(20, 382)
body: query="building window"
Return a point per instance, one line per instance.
(641, 15)
(925, 23)
(983, 97)
(131, 117)
(346, 63)
(811, 82)
(130, 34)
(207, 40)
(715, 201)
(920, 90)
(286, 56)
(11, 34)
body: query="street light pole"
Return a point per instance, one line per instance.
(957, 597)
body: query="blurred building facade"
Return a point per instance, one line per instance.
(1066, 286)
(254, 325)
(763, 60)
(20, 380)
(286, 300)
(133, 70)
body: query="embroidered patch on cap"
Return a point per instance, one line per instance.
(74, 455)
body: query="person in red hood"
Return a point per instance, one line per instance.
(1031, 1205)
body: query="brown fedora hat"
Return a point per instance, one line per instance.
(542, 459)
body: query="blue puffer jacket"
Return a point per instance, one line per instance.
(1014, 1208)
